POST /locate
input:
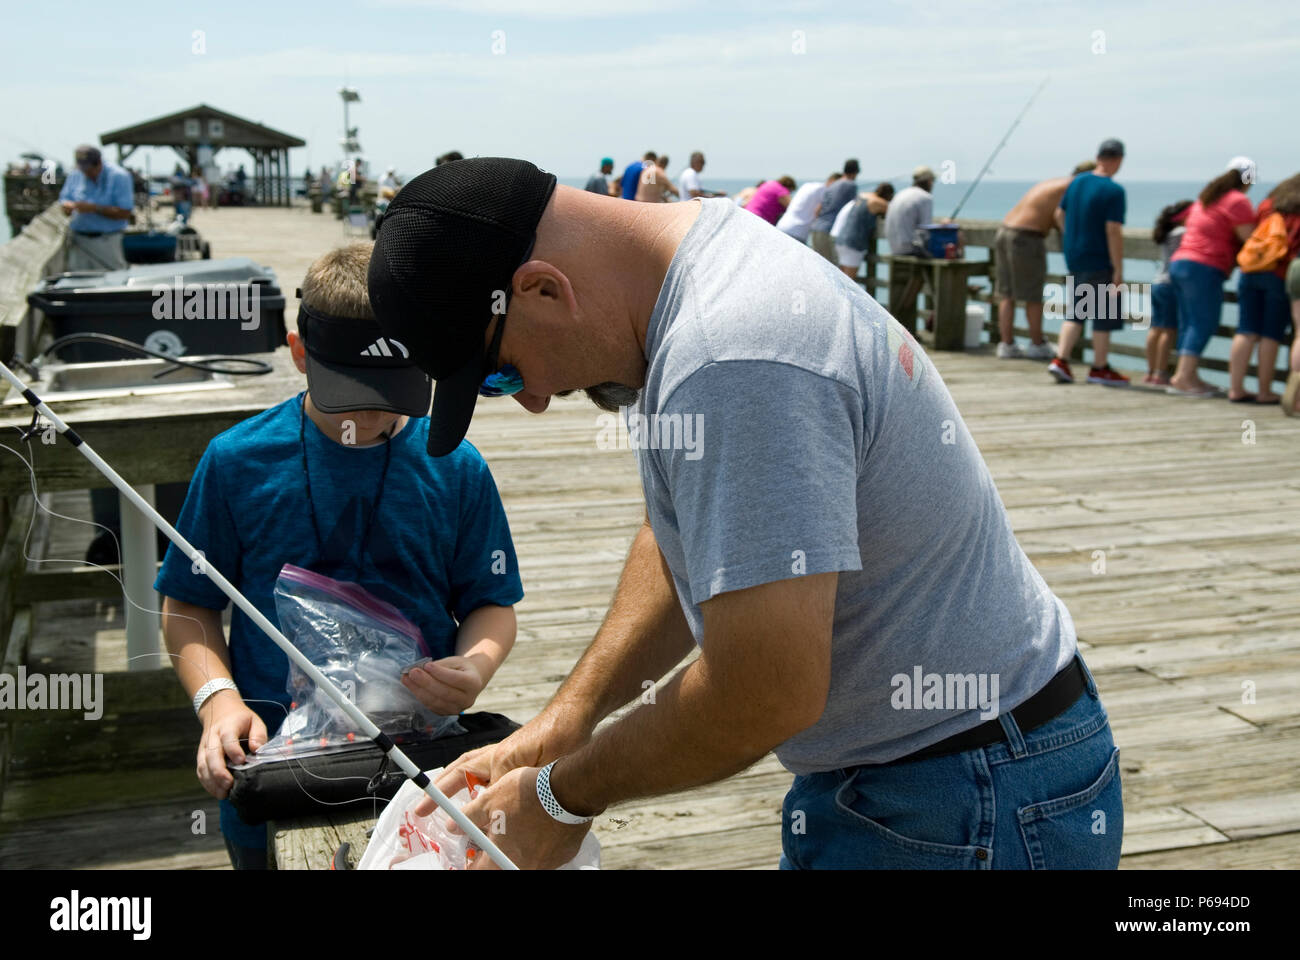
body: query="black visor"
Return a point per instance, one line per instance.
(352, 365)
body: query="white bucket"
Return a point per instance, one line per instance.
(976, 317)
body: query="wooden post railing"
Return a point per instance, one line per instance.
(1138, 245)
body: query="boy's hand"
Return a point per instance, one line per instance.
(445, 686)
(226, 721)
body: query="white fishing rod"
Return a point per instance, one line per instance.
(390, 749)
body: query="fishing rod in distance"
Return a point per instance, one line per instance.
(364, 723)
(998, 149)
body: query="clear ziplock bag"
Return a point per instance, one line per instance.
(403, 841)
(362, 644)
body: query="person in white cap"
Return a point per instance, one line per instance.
(389, 184)
(1221, 220)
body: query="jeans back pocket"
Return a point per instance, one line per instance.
(1081, 831)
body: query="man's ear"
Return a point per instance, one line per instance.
(543, 280)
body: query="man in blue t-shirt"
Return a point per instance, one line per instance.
(632, 175)
(335, 479)
(98, 197)
(1091, 221)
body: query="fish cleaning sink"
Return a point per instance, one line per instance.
(120, 378)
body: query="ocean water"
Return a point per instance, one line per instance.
(993, 198)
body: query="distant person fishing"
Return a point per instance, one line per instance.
(1020, 245)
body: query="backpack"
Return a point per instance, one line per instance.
(1266, 247)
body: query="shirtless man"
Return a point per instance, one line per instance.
(1021, 263)
(655, 186)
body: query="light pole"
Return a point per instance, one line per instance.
(351, 147)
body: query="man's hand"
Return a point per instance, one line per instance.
(548, 736)
(445, 686)
(226, 721)
(509, 812)
(68, 207)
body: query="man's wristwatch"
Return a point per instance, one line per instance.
(550, 804)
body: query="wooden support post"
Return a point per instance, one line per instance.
(902, 291)
(872, 258)
(950, 305)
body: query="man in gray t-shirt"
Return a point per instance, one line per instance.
(909, 211)
(819, 522)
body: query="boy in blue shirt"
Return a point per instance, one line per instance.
(336, 480)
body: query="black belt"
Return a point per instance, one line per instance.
(87, 233)
(1054, 699)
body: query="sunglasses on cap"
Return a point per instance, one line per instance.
(502, 381)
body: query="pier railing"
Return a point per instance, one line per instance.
(1138, 245)
(35, 253)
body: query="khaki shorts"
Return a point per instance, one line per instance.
(95, 253)
(1293, 281)
(823, 244)
(1021, 264)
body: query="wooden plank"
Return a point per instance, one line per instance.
(154, 439)
(145, 836)
(1165, 828)
(1256, 815)
(35, 253)
(80, 582)
(14, 654)
(1275, 853)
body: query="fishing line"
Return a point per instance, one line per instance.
(231, 366)
(391, 750)
(996, 150)
(290, 761)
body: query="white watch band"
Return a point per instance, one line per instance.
(211, 687)
(550, 804)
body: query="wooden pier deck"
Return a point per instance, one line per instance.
(1192, 626)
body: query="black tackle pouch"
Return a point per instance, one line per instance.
(289, 787)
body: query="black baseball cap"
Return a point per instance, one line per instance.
(353, 365)
(1111, 148)
(444, 260)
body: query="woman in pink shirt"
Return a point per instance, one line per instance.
(1221, 220)
(770, 199)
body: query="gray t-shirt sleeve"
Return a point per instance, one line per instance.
(769, 492)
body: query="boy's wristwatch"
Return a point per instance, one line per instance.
(211, 687)
(550, 804)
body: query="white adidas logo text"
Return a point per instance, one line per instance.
(380, 348)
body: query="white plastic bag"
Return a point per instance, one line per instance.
(403, 841)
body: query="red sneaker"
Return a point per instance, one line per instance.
(1060, 369)
(1105, 375)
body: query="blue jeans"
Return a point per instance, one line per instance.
(1048, 799)
(1199, 289)
(1263, 309)
(1164, 306)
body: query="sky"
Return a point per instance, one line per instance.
(763, 89)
